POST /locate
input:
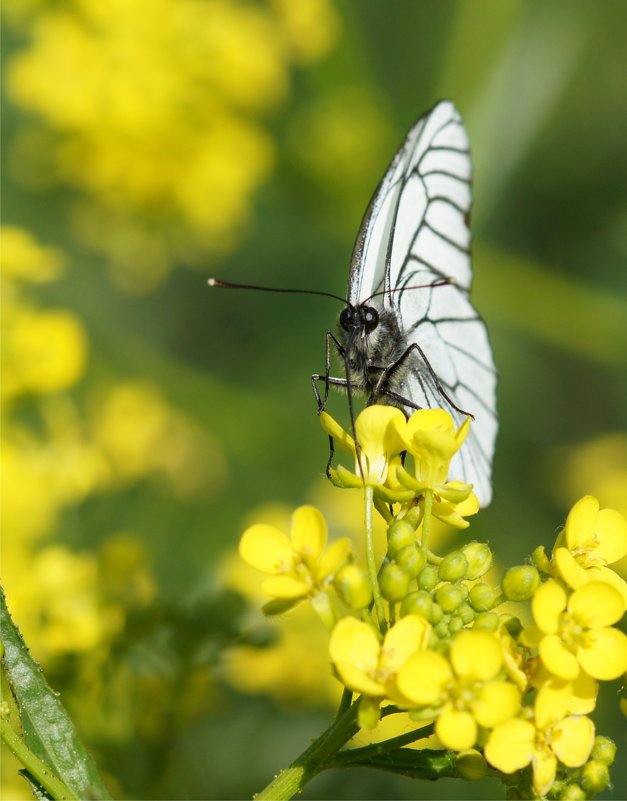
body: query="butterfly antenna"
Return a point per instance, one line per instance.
(220, 284)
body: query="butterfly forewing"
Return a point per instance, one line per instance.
(415, 233)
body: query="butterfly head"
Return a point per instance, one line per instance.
(359, 319)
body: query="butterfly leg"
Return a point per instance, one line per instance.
(327, 378)
(389, 371)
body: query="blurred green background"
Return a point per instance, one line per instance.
(148, 419)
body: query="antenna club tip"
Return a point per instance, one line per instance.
(213, 282)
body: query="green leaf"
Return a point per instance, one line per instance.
(48, 731)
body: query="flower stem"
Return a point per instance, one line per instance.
(37, 769)
(426, 520)
(370, 558)
(291, 780)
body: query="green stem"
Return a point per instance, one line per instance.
(370, 558)
(426, 520)
(292, 779)
(37, 769)
(345, 758)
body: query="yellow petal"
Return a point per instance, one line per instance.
(335, 430)
(557, 659)
(608, 576)
(580, 522)
(266, 548)
(409, 635)
(308, 532)
(510, 745)
(424, 676)
(585, 691)
(285, 587)
(333, 559)
(544, 769)
(360, 681)
(596, 604)
(604, 655)
(572, 740)
(429, 420)
(355, 642)
(456, 730)
(569, 569)
(476, 655)
(611, 529)
(497, 702)
(547, 605)
(552, 702)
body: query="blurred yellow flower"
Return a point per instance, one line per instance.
(58, 606)
(42, 351)
(156, 112)
(309, 27)
(24, 259)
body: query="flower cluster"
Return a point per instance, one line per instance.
(428, 637)
(155, 114)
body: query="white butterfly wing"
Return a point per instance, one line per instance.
(415, 232)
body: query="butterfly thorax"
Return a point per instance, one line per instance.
(373, 341)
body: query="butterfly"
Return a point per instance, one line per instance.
(409, 335)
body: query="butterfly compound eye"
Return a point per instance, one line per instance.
(370, 318)
(346, 318)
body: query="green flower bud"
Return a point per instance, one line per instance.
(573, 792)
(482, 597)
(368, 712)
(456, 624)
(557, 788)
(453, 567)
(541, 560)
(417, 603)
(479, 558)
(428, 577)
(466, 613)
(411, 559)
(442, 629)
(353, 587)
(511, 623)
(471, 764)
(400, 534)
(604, 750)
(436, 614)
(393, 581)
(520, 582)
(487, 621)
(451, 596)
(595, 777)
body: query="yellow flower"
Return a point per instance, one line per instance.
(44, 352)
(466, 692)
(575, 633)
(379, 433)
(155, 111)
(517, 743)
(370, 666)
(591, 540)
(300, 565)
(25, 259)
(432, 439)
